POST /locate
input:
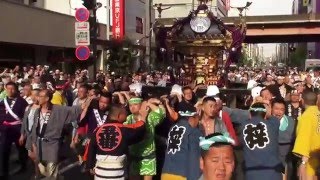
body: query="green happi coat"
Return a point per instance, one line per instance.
(143, 154)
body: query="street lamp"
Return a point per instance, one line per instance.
(241, 9)
(159, 8)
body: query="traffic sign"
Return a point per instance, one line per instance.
(81, 25)
(82, 14)
(82, 37)
(83, 53)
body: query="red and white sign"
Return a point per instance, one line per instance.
(83, 53)
(82, 33)
(82, 38)
(118, 19)
(227, 5)
(82, 14)
(81, 26)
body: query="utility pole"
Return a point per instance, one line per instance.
(148, 33)
(108, 20)
(105, 56)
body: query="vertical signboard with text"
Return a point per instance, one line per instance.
(118, 19)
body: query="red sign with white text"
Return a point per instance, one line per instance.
(118, 19)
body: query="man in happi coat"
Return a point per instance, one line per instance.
(26, 128)
(12, 109)
(286, 134)
(143, 155)
(95, 116)
(109, 145)
(294, 107)
(78, 146)
(217, 157)
(183, 152)
(260, 145)
(49, 121)
(91, 118)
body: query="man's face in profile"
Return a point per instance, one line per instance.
(218, 163)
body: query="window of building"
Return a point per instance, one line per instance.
(139, 25)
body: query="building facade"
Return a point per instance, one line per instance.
(253, 53)
(314, 47)
(43, 31)
(304, 7)
(282, 53)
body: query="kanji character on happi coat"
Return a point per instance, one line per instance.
(294, 107)
(260, 140)
(92, 117)
(110, 142)
(143, 155)
(183, 152)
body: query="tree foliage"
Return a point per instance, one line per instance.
(298, 57)
(120, 56)
(245, 60)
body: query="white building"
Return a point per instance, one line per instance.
(38, 31)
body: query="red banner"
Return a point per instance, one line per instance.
(118, 19)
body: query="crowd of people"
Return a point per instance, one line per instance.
(117, 133)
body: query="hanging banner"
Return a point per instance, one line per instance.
(118, 19)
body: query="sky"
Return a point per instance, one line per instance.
(263, 8)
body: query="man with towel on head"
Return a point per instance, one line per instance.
(183, 152)
(260, 137)
(109, 145)
(217, 157)
(142, 154)
(213, 91)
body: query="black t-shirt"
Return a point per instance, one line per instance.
(185, 106)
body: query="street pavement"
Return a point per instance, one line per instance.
(72, 173)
